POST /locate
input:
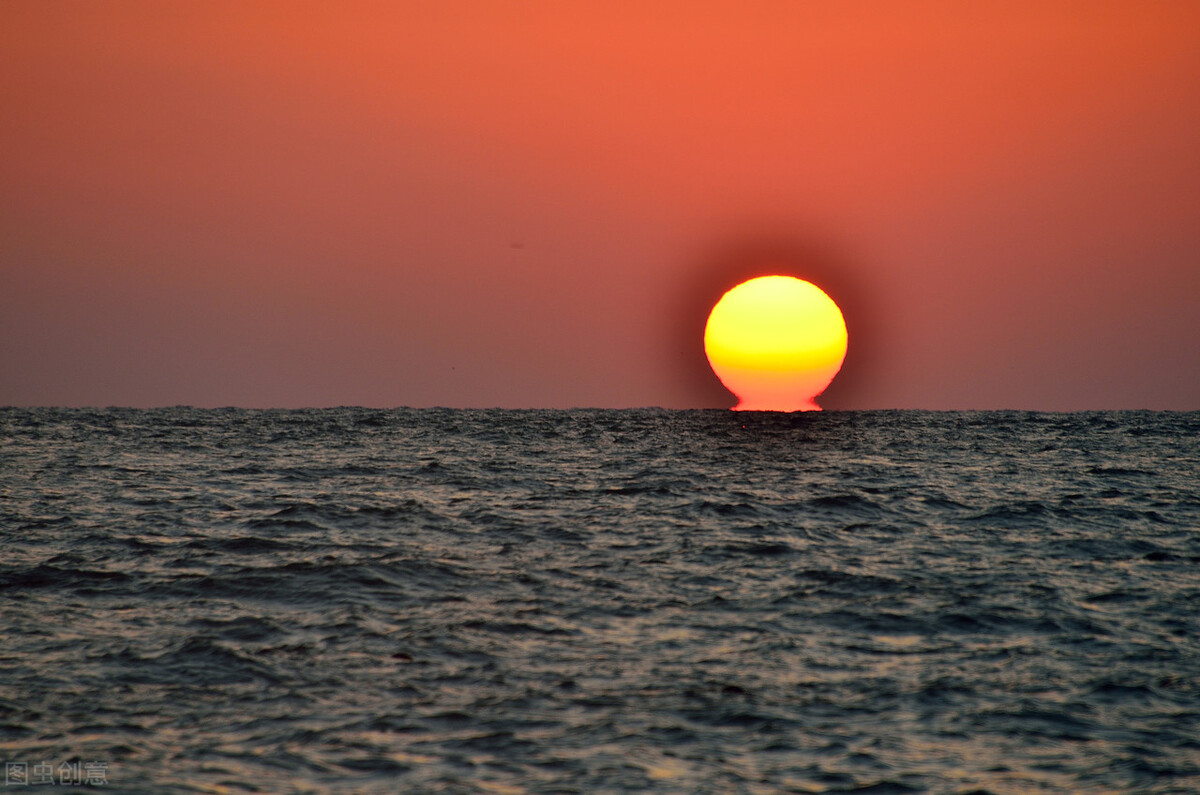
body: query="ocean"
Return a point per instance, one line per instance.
(599, 601)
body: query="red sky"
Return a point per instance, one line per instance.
(529, 204)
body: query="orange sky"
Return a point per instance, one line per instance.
(513, 204)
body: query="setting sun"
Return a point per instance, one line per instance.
(776, 342)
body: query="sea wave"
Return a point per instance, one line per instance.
(602, 601)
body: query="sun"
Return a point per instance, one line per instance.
(776, 342)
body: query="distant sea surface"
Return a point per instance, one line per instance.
(447, 601)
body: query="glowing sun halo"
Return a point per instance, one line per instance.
(776, 342)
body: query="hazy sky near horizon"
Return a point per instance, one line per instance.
(535, 204)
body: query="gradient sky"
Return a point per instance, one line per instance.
(535, 204)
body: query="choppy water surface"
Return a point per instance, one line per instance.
(602, 601)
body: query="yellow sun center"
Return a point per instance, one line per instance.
(776, 342)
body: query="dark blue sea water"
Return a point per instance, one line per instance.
(444, 601)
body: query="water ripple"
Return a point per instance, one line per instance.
(603, 601)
